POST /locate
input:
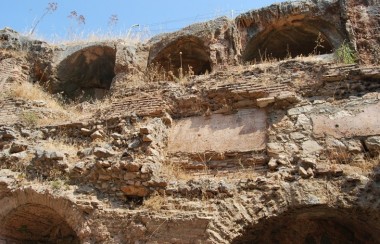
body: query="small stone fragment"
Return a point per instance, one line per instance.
(308, 162)
(310, 147)
(117, 136)
(103, 153)
(84, 152)
(17, 147)
(272, 164)
(139, 191)
(310, 172)
(303, 173)
(167, 119)
(373, 144)
(147, 138)
(274, 149)
(9, 134)
(85, 131)
(134, 144)
(263, 102)
(132, 167)
(145, 130)
(97, 135)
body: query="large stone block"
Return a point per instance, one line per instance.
(365, 123)
(243, 131)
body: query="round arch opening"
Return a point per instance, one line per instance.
(188, 53)
(314, 225)
(292, 39)
(87, 74)
(34, 223)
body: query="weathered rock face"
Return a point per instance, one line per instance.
(363, 25)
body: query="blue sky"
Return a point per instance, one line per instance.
(152, 16)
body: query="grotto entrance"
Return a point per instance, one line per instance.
(87, 73)
(188, 51)
(319, 225)
(292, 39)
(34, 223)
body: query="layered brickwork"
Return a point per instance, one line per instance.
(150, 105)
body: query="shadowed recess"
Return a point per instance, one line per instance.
(87, 73)
(194, 55)
(320, 225)
(33, 223)
(292, 39)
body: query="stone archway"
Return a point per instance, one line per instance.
(194, 55)
(318, 224)
(31, 217)
(87, 73)
(36, 223)
(291, 38)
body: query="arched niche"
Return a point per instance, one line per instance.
(27, 216)
(191, 50)
(35, 223)
(291, 38)
(87, 73)
(319, 224)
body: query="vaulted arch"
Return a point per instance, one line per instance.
(188, 51)
(86, 73)
(314, 224)
(31, 217)
(291, 38)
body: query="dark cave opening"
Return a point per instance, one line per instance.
(33, 223)
(188, 51)
(288, 41)
(320, 225)
(87, 74)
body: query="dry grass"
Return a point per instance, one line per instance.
(64, 145)
(350, 163)
(155, 201)
(338, 156)
(74, 37)
(51, 111)
(34, 92)
(367, 165)
(174, 170)
(29, 118)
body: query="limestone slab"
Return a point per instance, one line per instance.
(243, 131)
(364, 123)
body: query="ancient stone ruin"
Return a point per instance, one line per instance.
(246, 130)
